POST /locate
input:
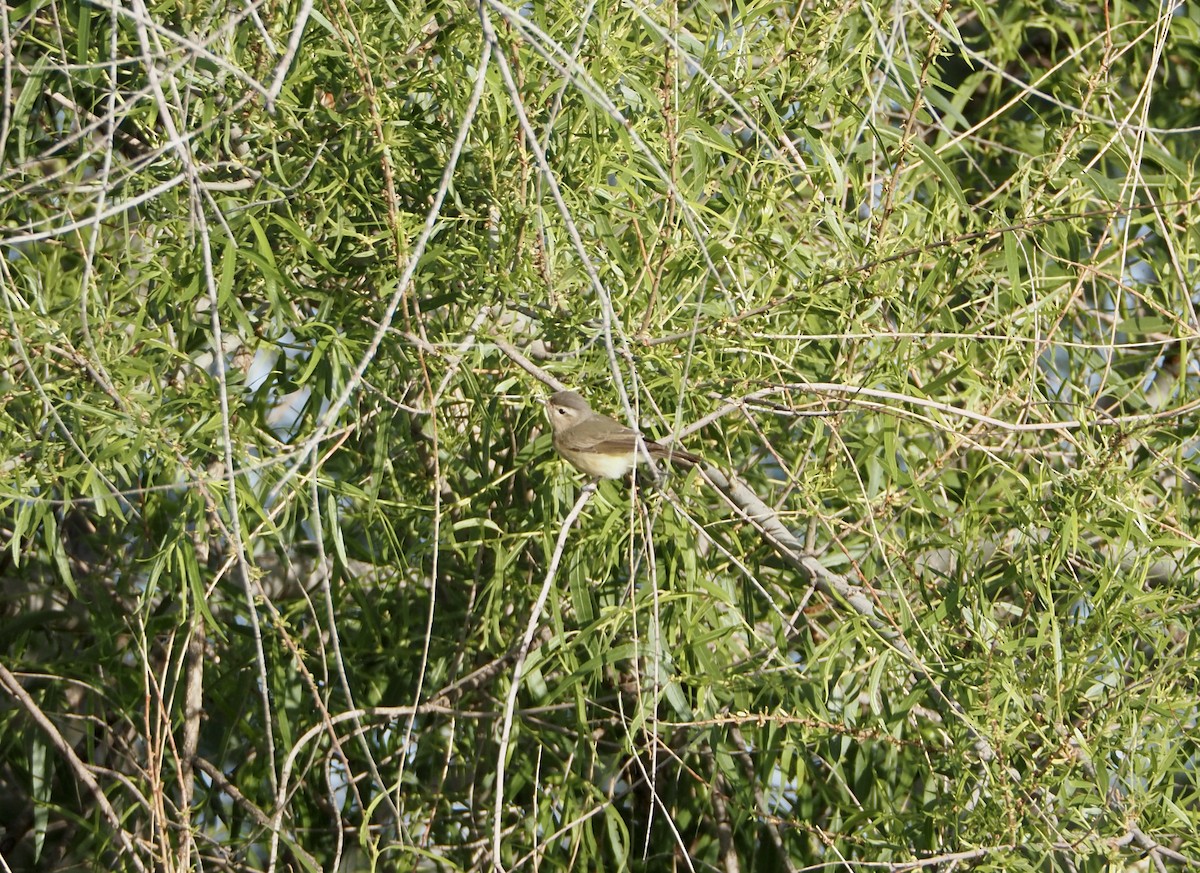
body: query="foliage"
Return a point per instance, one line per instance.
(292, 579)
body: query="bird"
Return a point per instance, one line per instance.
(597, 445)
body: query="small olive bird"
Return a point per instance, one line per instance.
(596, 444)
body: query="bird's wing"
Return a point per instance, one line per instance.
(621, 442)
(625, 444)
(618, 445)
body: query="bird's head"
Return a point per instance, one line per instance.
(566, 408)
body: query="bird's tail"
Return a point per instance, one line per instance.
(676, 455)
